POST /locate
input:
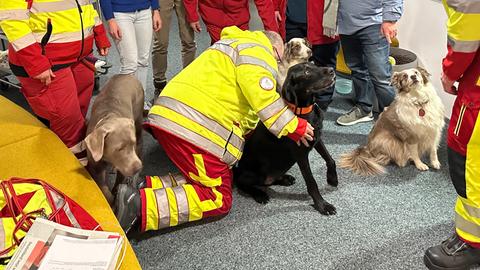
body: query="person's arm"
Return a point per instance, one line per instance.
(266, 11)
(391, 12)
(100, 35)
(191, 14)
(463, 38)
(155, 4)
(14, 16)
(107, 9)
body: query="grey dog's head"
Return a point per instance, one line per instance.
(410, 79)
(297, 49)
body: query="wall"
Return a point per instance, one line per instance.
(422, 30)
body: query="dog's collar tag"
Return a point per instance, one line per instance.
(421, 112)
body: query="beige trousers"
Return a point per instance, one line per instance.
(160, 39)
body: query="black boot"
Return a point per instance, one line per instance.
(128, 206)
(159, 85)
(452, 254)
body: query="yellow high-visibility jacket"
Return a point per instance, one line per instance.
(221, 96)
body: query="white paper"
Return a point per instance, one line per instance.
(67, 253)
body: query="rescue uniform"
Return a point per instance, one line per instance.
(462, 64)
(201, 118)
(218, 14)
(56, 35)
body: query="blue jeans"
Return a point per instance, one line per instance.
(366, 54)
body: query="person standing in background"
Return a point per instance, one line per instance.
(218, 14)
(301, 19)
(161, 38)
(462, 64)
(49, 48)
(130, 25)
(366, 30)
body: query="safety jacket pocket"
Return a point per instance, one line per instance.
(465, 122)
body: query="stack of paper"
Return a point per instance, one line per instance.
(49, 245)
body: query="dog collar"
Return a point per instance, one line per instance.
(299, 110)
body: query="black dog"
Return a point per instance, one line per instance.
(266, 158)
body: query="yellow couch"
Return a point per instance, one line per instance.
(30, 150)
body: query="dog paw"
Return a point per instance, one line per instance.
(436, 164)
(285, 180)
(332, 178)
(261, 197)
(325, 209)
(422, 166)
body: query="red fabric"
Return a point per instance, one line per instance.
(143, 200)
(64, 103)
(455, 64)
(472, 244)
(229, 12)
(314, 21)
(181, 153)
(300, 131)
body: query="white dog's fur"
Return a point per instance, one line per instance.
(409, 128)
(297, 50)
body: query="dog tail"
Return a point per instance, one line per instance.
(361, 162)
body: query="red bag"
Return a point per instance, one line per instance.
(23, 200)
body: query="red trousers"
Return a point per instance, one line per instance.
(64, 103)
(203, 189)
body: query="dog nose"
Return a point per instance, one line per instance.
(413, 77)
(329, 71)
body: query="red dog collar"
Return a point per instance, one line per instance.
(299, 111)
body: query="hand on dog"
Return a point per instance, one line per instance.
(308, 136)
(448, 85)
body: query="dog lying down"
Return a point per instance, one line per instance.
(266, 158)
(409, 128)
(114, 132)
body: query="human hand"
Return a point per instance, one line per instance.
(389, 30)
(196, 26)
(448, 86)
(278, 17)
(307, 136)
(45, 77)
(115, 31)
(156, 20)
(103, 51)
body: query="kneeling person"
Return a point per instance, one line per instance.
(200, 119)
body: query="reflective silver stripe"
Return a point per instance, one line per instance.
(193, 137)
(227, 50)
(65, 37)
(14, 14)
(40, 7)
(467, 226)
(182, 204)
(59, 201)
(225, 41)
(201, 119)
(2, 235)
(472, 211)
(281, 122)
(166, 181)
(163, 208)
(244, 46)
(179, 178)
(272, 109)
(465, 6)
(463, 46)
(23, 42)
(250, 60)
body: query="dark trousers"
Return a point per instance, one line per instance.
(323, 55)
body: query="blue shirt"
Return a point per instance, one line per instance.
(354, 15)
(110, 6)
(297, 11)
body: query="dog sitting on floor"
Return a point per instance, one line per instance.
(297, 50)
(409, 128)
(266, 158)
(114, 132)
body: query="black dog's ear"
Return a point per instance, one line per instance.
(425, 74)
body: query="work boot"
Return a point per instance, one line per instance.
(159, 85)
(128, 206)
(452, 254)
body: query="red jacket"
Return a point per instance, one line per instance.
(314, 21)
(223, 13)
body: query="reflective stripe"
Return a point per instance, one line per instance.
(14, 14)
(163, 208)
(472, 211)
(59, 201)
(465, 6)
(281, 122)
(243, 46)
(463, 46)
(57, 6)
(65, 37)
(193, 137)
(251, 60)
(98, 21)
(182, 204)
(272, 109)
(467, 226)
(203, 120)
(167, 180)
(2, 235)
(226, 41)
(227, 50)
(23, 42)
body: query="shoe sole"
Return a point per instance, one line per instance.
(360, 120)
(432, 266)
(121, 209)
